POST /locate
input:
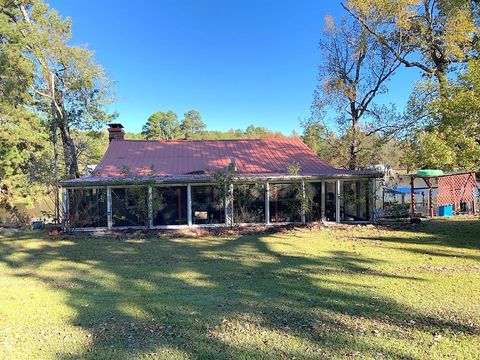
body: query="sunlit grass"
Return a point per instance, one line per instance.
(354, 292)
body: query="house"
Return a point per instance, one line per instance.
(168, 184)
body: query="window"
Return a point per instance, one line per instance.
(313, 193)
(284, 203)
(87, 208)
(169, 205)
(330, 201)
(130, 206)
(355, 201)
(207, 205)
(249, 203)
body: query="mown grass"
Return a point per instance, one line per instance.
(359, 292)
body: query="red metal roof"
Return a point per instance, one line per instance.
(254, 157)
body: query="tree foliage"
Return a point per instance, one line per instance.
(430, 35)
(451, 141)
(48, 89)
(192, 124)
(353, 72)
(162, 126)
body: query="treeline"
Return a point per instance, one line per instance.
(92, 144)
(166, 126)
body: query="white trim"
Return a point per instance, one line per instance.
(102, 228)
(139, 227)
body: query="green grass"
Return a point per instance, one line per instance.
(359, 292)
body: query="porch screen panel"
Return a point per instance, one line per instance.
(330, 201)
(249, 203)
(355, 201)
(169, 205)
(87, 208)
(313, 193)
(284, 203)
(129, 206)
(207, 205)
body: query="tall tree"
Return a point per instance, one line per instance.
(23, 136)
(352, 74)
(192, 124)
(69, 88)
(430, 35)
(162, 126)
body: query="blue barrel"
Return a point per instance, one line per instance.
(445, 210)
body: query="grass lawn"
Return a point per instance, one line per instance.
(360, 292)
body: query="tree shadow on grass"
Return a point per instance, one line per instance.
(453, 233)
(215, 298)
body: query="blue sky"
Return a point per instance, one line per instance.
(237, 62)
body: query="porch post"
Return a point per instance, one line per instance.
(229, 206)
(150, 207)
(109, 208)
(189, 205)
(430, 197)
(65, 209)
(412, 197)
(303, 203)
(337, 201)
(322, 205)
(267, 203)
(474, 191)
(373, 200)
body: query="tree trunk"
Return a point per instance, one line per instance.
(69, 150)
(442, 83)
(352, 163)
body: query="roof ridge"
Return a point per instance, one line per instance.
(211, 140)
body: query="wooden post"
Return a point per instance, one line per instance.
(373, 199)
(322, 208)
(109, 208)
(474, 209)
(229, 206)
(189, 205)
(337, 201)
(430, 197)
(65, 208)
(303, 203)
(267, 203)
(150, 207)
(412, 197)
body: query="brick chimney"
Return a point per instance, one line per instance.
(115, 132)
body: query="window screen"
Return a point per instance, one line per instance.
(207, 205)
(169, 205)
(249, 203)
(87, 208)
(330, 207)
(284, 203)
(129, 206)
(355, 201)
(313, 193)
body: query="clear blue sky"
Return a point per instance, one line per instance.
(237, 62)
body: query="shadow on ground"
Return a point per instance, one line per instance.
(198, 296)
